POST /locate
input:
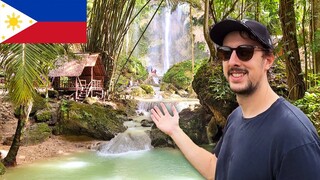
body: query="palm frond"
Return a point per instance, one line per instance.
(23, 66)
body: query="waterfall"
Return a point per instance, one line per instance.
(167, 40)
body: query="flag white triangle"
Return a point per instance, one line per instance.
(12, 21)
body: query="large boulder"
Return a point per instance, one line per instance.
(213, 92)
(35, 134)
(94, 120)
(193, 122)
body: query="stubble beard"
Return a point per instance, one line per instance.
(248, 90)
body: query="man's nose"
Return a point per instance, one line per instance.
(234, 60)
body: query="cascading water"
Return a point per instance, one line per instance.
(146, 104)
(167, 39)
(135, 138)
(168, 42)
(127, 142)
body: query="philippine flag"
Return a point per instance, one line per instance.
(43, 21)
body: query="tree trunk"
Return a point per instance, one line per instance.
(10, 159)
(293, 64)
(192, 41)
(206, 30)
(316, 28)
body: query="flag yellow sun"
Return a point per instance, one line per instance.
(13, 21)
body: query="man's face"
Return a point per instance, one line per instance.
(244, 77)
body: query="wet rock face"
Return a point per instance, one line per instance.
(194, 123)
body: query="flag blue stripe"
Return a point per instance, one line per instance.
(52, 10)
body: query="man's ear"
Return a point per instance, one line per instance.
(269, 61)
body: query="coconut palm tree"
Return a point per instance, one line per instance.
(23, 65)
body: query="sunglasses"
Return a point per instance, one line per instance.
(244, 52)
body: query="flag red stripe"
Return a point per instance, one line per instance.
(52, 32)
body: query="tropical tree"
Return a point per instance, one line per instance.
(23, 65)
(108, 24)
(290, 46)
(315, 29)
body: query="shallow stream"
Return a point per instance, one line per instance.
(155, 164)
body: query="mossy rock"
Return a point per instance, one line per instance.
(193, 123)
(213, 91)
(35, 134)
(38, 104)
(147, 88)
(128, 107)
(159, 139)
(133, 70)
(2, 169)
(180, 74)
(168, 87)
(43, 115)
(53, 93)
(94, 120)
(138, 92)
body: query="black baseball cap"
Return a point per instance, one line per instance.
(219, 31)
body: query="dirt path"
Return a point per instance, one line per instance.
(54, 146)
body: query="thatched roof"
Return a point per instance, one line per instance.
(74, 68)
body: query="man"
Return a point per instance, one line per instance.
(266, 137)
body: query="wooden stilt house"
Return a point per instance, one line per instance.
(82, 77)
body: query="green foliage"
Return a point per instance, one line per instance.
(64, 107)
(133, 70)
(213, 91)
(43, 116)
(218, 84)
(278, 78)
(310, 105)
(180, 75)
(210, 79)
(314, 79)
